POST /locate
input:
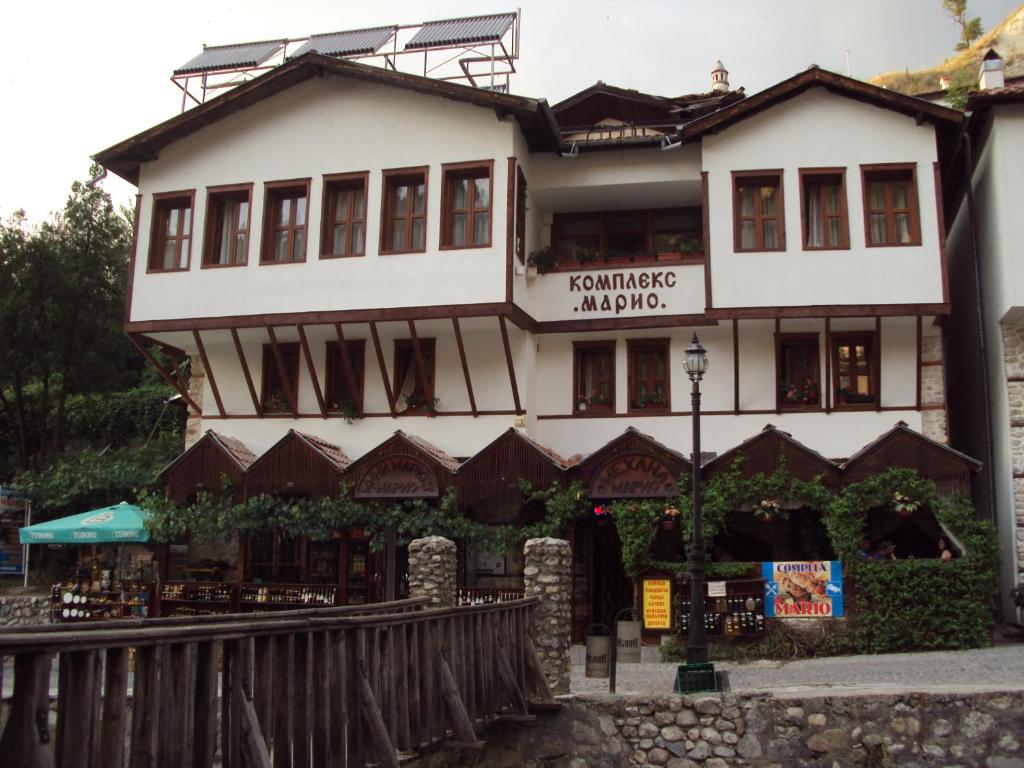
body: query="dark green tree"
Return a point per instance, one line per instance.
(970, 28)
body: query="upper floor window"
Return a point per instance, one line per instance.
(890, 205)
(798, 366)
(404, 217)
(855, 364)
(648, 375)
(344, 216)
(823, 208)
(171, 240)
(414, 388)
(466, 218)
(226, 243)
(579, 239)
(274, 393)
(520, 215)
(286, 212)
(758, 218)
(594, 377)
(343, 389)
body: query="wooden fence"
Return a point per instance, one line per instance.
(340, 687)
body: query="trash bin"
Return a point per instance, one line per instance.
(627, 641)
(598, 647)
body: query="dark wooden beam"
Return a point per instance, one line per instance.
(878, 363)
(245, 372)
(346, 364)
(465, 366)
(778, 369)
(164, 374)
(289, 390)
(383, 368)
(735, 366)
(508, 361)
(421, 366)
(209, 371)
(827, 388)
(705, 222)
(312, 371)
(919, 353)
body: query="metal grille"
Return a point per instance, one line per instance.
(477, 29)
(348, 43)
(231, 56)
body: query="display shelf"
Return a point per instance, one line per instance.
(283, 596)
(739, 613)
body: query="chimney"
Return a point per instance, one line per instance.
(944, 83)
(719, 78)
(991, 73)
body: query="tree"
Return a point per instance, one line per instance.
(61, 299)
(970, 29)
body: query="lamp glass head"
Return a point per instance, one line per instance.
(696, 360)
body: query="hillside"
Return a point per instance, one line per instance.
(1007, 38)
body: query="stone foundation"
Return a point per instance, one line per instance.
(934, 423)
(432, 570)
(1013, 361)
(196, 384)
(548, 575)
(24, 610)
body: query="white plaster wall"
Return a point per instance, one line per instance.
(328, 125)
(818, 129)
(999, 199)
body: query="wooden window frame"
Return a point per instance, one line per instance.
(746, 178)
(633, 346)
(473, 170)
(269, 364)
(271, 192)
(601, 259)
(802, 339)
(839, 338)
(810, 175)
(394, 176)
(890, 213)
(578, 347)
(161, 203)
(356, 349)
(429, 386)
(211, 233)
(332, 182)
(520, 221)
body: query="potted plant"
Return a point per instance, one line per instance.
(766, 510)
(542, 260)
(345, 408)
(616, 257)
(417, 403)
(645, 399)
(587, 257)
(692, 246)
(903, 505)
(670, 521)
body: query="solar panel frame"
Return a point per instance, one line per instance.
(349, 42)
(233, 56)
(473, 29)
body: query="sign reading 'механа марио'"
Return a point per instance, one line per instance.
(803, 589)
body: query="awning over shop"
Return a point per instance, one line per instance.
(122, 524)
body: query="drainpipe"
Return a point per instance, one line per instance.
(979, 297)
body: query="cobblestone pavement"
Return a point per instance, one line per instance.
(997, 668)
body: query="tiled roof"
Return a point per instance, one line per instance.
(332, 452)
(1008, 93)
(559, 460)
(236, 448)
(449, 462)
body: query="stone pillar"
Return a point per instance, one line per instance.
(432, 568)
(934, 424)
(196, 384)
(1013, 363)
(547, 574)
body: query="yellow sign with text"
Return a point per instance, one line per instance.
(657, 601)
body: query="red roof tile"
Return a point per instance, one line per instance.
(330, 451)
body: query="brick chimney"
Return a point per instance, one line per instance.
(719, 78)
(991, 74)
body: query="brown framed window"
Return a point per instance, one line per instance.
(758, 215)
(341, 393)
(798, 367)
(404, 211)
(413, 394)
(520, 215)
(344, 216)
(648, 375)
(594, 377)
(579, 239)
(226, 242)
(677, 231)
(274, 396)
(286, 214)
(466, 218)
(576, 237)
(170, 243)
(274, 557)
(855, 366)
(891, 215)
(823, 209)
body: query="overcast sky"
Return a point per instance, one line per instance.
(77, 77)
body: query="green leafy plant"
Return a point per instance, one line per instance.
(543, 259)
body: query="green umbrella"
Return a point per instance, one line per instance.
(121, 523)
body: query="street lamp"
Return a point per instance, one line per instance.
(696, 642)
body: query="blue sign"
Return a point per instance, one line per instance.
(803, 589)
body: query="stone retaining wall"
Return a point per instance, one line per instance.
(983, 730)
(24, 610)
(547, 575)
(432, 570)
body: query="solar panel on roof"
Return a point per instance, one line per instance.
(477, 29)
(231, 56)
(348, 43)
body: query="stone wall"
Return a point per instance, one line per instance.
(196, 384)
(24, 610)
(547, 575)
(934, 423)
(1013, 360)
(432, 570)
(760, 731)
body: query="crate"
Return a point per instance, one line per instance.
(696, 678)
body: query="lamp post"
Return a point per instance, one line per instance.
(696, 642)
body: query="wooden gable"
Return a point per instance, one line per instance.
(633, 465)
(497, 469)
(204, 465)
(766, 451)
(403, 466)
(298, 464)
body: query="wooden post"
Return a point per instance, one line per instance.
(461, 724)
(378, 733)
(508, 679)
(115, 709)
(204, 722)
(254, 748)
(25, 740)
